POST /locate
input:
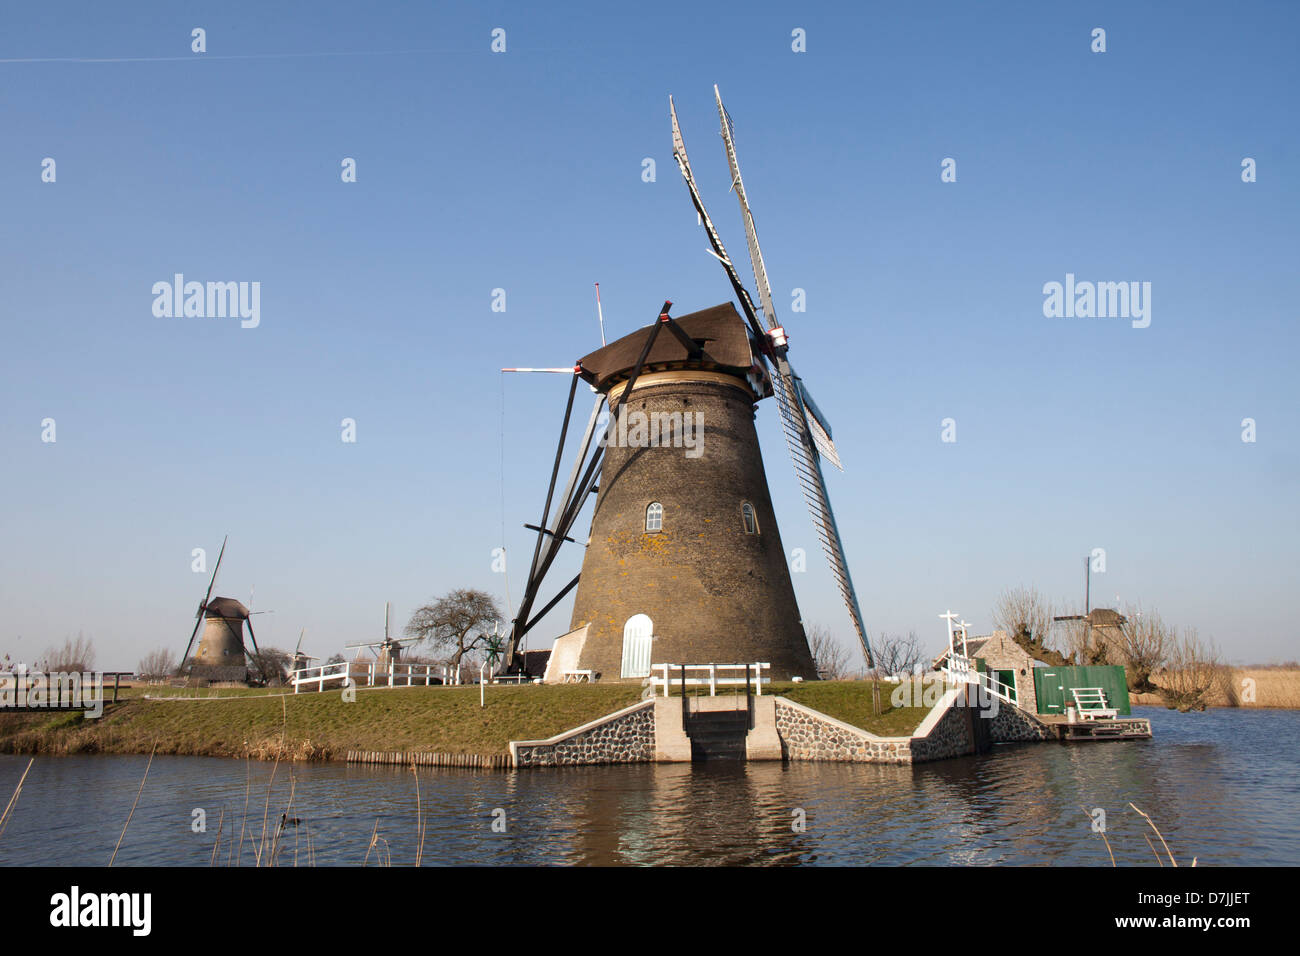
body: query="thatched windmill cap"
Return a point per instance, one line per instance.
(228, 608)
(1105, 617)
(720, 332)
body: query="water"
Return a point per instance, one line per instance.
(1221, 786)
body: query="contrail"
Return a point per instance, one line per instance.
(213, 56)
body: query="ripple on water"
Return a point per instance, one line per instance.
(1222, 786)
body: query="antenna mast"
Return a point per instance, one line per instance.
(601, 316)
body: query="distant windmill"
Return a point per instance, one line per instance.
(387, 651)
(221, 654)
(300, 660)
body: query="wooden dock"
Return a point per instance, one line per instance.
(1119, 728)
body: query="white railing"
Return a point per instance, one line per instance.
(370, 674)
(962, 670)
(711, 675)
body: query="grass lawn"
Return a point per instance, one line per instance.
(849, 701)
(321, 726)
(265, 724)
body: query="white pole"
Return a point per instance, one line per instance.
(600, 315)
(951, 650)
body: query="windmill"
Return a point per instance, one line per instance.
(684, 561)
(221, 654)
(300, 661)
(388, 651)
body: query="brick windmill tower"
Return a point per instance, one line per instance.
(222, 655)
(685, 563)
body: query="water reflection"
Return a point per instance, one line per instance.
(1221, 786)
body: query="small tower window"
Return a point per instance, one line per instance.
(654, 517)
(751, 522)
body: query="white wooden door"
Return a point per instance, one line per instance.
(638, 633)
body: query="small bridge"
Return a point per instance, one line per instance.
(24, 691)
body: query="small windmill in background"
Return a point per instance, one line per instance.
(388, 651)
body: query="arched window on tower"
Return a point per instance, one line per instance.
(654, 517)
(751, 522)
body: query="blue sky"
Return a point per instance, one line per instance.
(522, 171)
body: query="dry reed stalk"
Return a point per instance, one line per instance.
(1103, 837)
(266, 809)
(217, 846)
(284, 817)
(419, 825)
(1153, 850)
(13, 801)
(374, 838)
(133, 806)
(1172, 861)
(248, 784)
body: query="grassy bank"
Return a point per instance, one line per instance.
(268, 724)
(319, 726)
(851, 702)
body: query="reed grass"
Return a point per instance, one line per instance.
(1274, 687)
(13, 801)
(136, 803)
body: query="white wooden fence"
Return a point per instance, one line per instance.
(371, 674)
(711, 675)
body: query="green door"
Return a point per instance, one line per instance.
(1008, 679)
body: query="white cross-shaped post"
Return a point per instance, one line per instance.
(950, 617)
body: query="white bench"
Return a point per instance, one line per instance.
(576, 677)
(1091, 702)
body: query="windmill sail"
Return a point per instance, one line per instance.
(807, 437)
(751, 235)
(684, 164)
(821, 428)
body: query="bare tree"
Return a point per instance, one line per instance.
(1193, 669)
(273, 664)
(156, 666)
(1027, 617)
(459, 621)
(829, 656)
(73, 655)
(895, 654)
(1145, 641)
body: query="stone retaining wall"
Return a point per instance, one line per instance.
(807, 734)
(1011, 723)
(947, 732)
(626, 736)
